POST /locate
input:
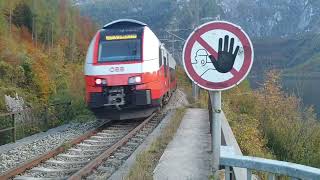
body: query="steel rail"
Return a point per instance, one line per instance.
(100, 159)
(37, 160)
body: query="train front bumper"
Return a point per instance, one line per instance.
(120, 98)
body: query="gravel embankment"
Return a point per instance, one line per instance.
(178, 99)
(12, 155)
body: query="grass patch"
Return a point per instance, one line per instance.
(147, 160)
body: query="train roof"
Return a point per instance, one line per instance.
(124, 22)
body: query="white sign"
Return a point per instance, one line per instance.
(218, 55)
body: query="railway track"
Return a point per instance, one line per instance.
(96, 154)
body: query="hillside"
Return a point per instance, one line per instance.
(260, 18)
(272, 18)
(285, 33)
(43, 46)
(297, 54)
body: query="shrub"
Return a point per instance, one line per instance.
(268, 121)
(293, 132)
(240, 107)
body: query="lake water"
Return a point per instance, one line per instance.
(306, 88)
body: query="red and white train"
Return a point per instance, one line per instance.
(127, 67)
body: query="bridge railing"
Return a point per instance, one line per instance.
(272, 167)
(240, 167)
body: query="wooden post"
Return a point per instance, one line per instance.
(46, 111)
(13, 127)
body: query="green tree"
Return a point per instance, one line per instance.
(22, 16)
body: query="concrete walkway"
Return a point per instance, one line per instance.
(187, 155)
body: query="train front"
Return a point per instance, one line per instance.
(115, 72)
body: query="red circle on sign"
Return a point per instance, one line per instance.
(237, 76)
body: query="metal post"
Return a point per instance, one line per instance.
(249, 174)
(215, 97)
(271, 176)
(227, 173)
(196, 6)
(195, 91)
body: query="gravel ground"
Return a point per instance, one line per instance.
(27, 148)
(12, 155)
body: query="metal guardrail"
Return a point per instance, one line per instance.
(229, 140)
(240, 167)
(273, 167)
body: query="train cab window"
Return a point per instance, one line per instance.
(120, 50)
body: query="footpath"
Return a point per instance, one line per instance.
(187, 156)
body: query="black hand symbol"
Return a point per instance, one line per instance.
(226, 58)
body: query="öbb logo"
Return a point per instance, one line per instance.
(116, 69)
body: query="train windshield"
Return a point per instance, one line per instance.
(120, 50)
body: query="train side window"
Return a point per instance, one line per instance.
(165, 66)
(160, 57)
(172, 75)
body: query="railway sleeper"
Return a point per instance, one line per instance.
(132, 144)
(67, 162)
(139, 135)
(60, 158)
(97, 142)
(100, 175)
(83, 154)
(56, 175)
(121, 126)
(125, 150)
(54, 170)
(76, 156)
(136, 139)
(113, 161)
(117, 129)
(39, 178)
(112, 134)
(93, 145)
(61, 166)
(94, 141)
(85, 150)
(106, 138)
(121, 155)
(105, 169)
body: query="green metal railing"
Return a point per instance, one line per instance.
(17, 125)
(12, 128)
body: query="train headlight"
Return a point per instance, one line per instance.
(134, 80)
(100, 82)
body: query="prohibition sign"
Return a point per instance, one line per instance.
(218, 55)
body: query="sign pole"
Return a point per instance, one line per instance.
(215, 97)
(195, 91)
(217, 56)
